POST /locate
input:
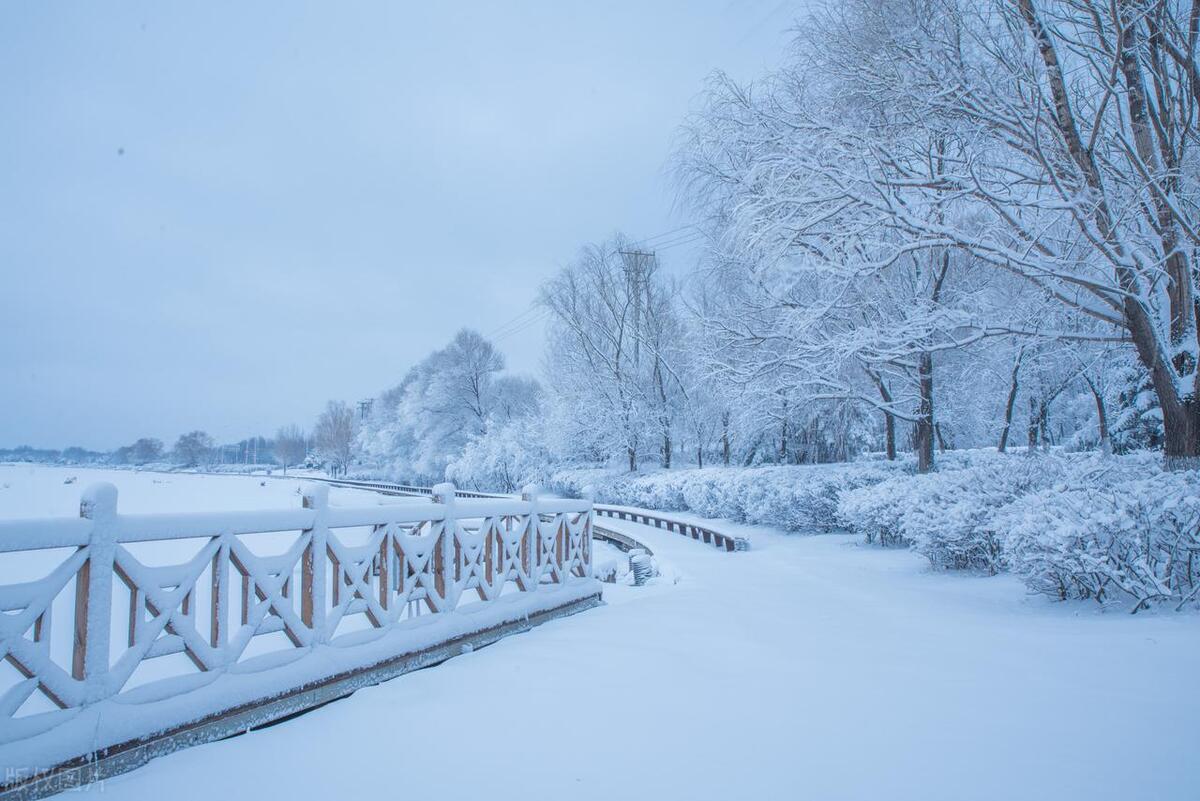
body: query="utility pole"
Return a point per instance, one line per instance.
(638, 264)
(364, 408)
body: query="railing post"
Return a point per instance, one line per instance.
(589, 495)
(315, 562)
(529, 494)
(445, 564)
(93, 592)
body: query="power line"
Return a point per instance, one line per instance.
(663, 234)
(533, 308)
(542, 315)
(534, 314)
(680, 241)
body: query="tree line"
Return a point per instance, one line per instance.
(290, 446)
(936, 225)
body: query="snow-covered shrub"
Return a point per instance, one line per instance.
(715, 492)
(793, 498)
(877, 511)
(504, 458)
(570, 481)
(951, 516)
(952, 521)
(804, 498)
(1135, 539)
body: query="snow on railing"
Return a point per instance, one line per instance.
(392, 487)
(695, 531)
(113, 594)
(710, 536)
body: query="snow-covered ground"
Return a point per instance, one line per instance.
(809, 667)
(36, 491)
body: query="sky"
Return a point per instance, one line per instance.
(221, 215)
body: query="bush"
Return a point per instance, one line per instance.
(954, 524)
(950, 517)
(1132, 539)
(792, 498)
(1070, 525)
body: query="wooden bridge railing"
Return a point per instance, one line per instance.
(697, 532)
(336, 586)
(393, 488)
(705, 534)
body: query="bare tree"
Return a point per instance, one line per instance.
(146, 449)
(333, 435)
(1011, 401)
(613, 343)
(291, 446)
(194, 448)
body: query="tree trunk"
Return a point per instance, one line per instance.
(699, 457)
(889, 420)
(1044, 424)
(889, 436)
(1010, 403)
(783, 436)
(1181, 433)
(632, 460)
(1102, 420)
(1033, 426)
(666, 449)
(752, 451)
(923, 436)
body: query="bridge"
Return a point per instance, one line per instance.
(144, 634)
(697, 531)
(336, 590)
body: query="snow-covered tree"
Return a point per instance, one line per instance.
(447, 400)
(508, 455)
(291, 446)
(146, 449)
(613, 355)
(194, 448)
(1048, 140)
(333, 435)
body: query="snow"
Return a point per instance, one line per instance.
(810, 667)
(798, 498)
(37, 491)
(980, 511)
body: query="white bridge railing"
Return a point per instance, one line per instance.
(698, 532)
(113, 594)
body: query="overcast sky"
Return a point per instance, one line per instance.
(220, 216)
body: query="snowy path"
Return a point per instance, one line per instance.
(806, 668)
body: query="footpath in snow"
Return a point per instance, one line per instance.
(808, 667)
